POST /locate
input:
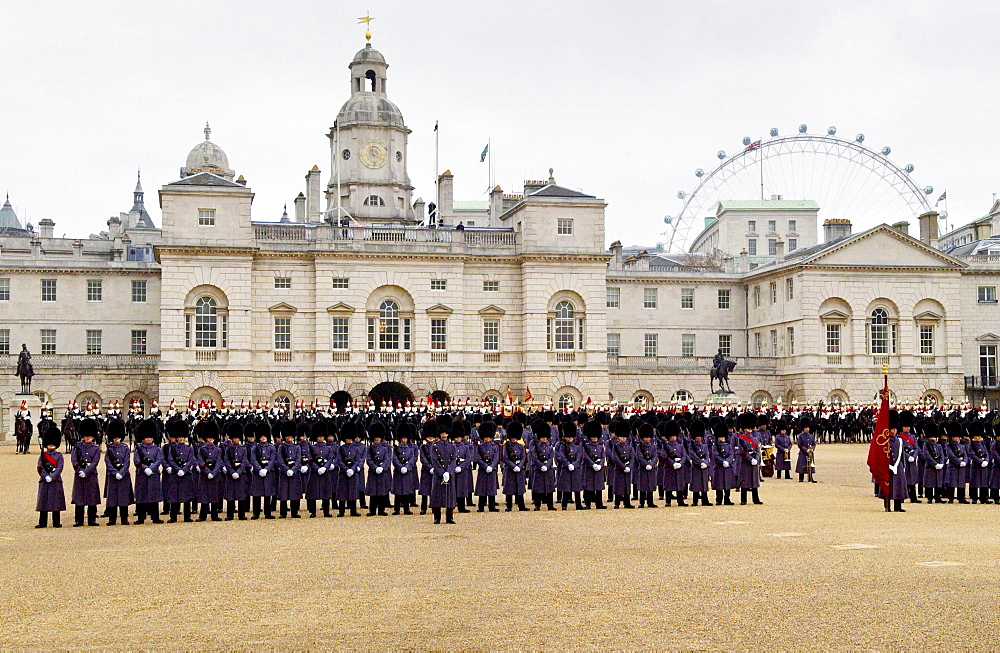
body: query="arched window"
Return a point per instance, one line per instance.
(206, 323)
(565, 326)
(681, 396)
(494, 400)
(282, 400)
(370, 76)
(388, 325)
(374, 200)
(879, 332)
(565, 401)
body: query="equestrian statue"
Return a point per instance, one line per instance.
(721, 367)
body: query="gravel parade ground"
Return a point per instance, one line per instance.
(677, 578)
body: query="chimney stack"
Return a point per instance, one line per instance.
(46, 227)
(300, 208)
(779, 251)
(446, 198)
(929, 228)
(313, 213)
(616, 255)
(834, 228)
(902, 227)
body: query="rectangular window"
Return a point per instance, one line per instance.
(987, 365)
(687, 297)
(987, 294)
(756, 338)
(283, 334)
(878, 338)
(772, 226)
(4, 290)
(752, 246)
(491, 335)
(649, 345)
(439, 334)
(138, 342)
(439, 284)
(48, 290)
(138, 291)
(564, 227)
(772, 247)
(206, 217)
(927, 339)
(205, 330)
(649, 297)
(491, 286)
(187, 330)
(774, 342)
(791, 341)
(774, 292)
(614, 297)
(790, 288)
(726, 345)
(548, 333)
(225, 330)
(833, 338)
(687, 345)
(282, 283)
(614, 344)
(724, 299)
(752, 226)
(339, 338)
(579, 334)
(792, 224)
(4, 341)
(48, 341)
(94, 290)
(93, 341)
(406, 334)
(371, 333)
(140, 253)
(793, 244)
(756, 296)
(341, 283)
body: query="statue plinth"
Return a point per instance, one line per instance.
(10, 408)
(722, 398)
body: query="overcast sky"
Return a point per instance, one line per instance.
(623, 100)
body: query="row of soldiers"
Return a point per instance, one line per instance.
(463, 458)
(943, 459)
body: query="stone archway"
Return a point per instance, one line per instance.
(440, 396)
(390, 391)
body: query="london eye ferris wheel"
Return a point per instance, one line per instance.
(845, 177)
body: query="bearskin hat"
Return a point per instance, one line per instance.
(52, 436)
(318, 429)
(376, 430)
(621, 429)
(515, 430)
(592, 430)
(115, 429)
(88, 427)
(234, 430)
(720, 430)
(747, 421)
(645, 430)
(487, 430)
(177, 428)
(906, 419)
(209, 429)
(146, 429)
(567, 429)
(696, 428)
(287, 428)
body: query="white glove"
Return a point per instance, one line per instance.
(180, 472)
(596, 467)
(545, 468)
(570, 467)
(627, 470)
(82, 474)
(704, 465)
(290, 472)
(649, 467)
(446, 477)
(262, 473)
(170, 470)
(48, 479)
(910, 459)
(118, 476)
(350, 473)
(516, 469)
(985, 463)
(753, 461)
(677, 465)
(725, 463)
(378, 470)
(939, 466)
(304, 469)
(148, 471)
(489, 469)
(211, 476)
(458, 470)
(403, 470)
(961, 464)
(321, 471)
(236, 476)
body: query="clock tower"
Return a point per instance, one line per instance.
(368, 150)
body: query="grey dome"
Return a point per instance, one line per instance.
(368, 54)
(206, 156)
(8, 219)
(368, 108)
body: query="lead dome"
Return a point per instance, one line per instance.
(206, 156)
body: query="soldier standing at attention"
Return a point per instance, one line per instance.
(487, 461)
(51, 498)
(236, 468)
(264, 484)
(749, 450)
(379, 470)
(404, 468)
(86, 490)
(806, 443)
(723, 478)
(700, 455)
(148, 459)
(620, 464)
(290, 474)
(514, 476)
(319, 487)
(593, 461)
(464, 453)
(118, 492)
(442, 458)
(569, 458)
(783, 447)
(542, 465)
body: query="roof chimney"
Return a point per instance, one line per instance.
(45, 227)
(929, 228)
(779, 251)
(902, 227)
(834, 228)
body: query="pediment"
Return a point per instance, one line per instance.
(928, 316)
(440, 309)
(988, 337)
(340, 307)
(492, 311)
(834, 315)
(884, 246)
(282, 307)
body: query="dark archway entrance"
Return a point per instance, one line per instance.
(341, 399)
(392, 392)
(440, 396)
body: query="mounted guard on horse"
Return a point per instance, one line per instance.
(721, 367)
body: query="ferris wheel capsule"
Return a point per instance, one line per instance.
(886, 150)
(908, 168)
(831, 130)
(699, 172)
(746, 140)
(681, 194)
(774, 132)
(803, 129)
(668, 220)
(721, 154)
(860, 138)
(928, 190)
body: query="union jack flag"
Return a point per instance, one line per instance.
(752, 146)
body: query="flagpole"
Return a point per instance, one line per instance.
(437, 178)
(489, 151)
(760, 161)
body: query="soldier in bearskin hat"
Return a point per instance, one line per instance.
(118, 493)
(148, 460)
(85, 458)
(51, 498)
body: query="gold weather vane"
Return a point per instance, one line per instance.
(367, 19)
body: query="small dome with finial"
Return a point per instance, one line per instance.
(207, 157)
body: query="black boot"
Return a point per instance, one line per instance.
(898, 506)
(255, 502)
(295, 509)
(579, 503)
(461, 505)
(681, 499)
(410, 500)
(112, 516)
(727, 501)
(123, 515)
(325, 506)
(203, 516)
(599, 500)
(491, 503)
(912, 491)
(756, 497)
(353, 507)
(283, 511)
(423, 505)
(268, 507)
(230, 510)
(668, 497)
(520, 503)
(482, 504)
(397, 505)
(361, 498)
(43, 519)
(450, 516)
(510, 502)
(311, 507)
(718, 497)
(437, 515)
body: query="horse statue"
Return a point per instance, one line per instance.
(722, 374)
(69, 433)
(25, 370)
(22, 434)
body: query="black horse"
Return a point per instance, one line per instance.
(22, 433)
(25, 370)
(722, 374)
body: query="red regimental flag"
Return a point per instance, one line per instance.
(527, 393)
(878, 452)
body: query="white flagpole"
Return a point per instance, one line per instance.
(338, 156)
(437, 177)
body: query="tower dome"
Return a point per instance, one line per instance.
(368, 54)
(8, 219)
(207, 157)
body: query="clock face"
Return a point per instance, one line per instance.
(373, 154)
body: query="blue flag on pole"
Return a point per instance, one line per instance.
(486, 150)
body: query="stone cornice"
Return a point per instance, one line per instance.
(153, 271)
